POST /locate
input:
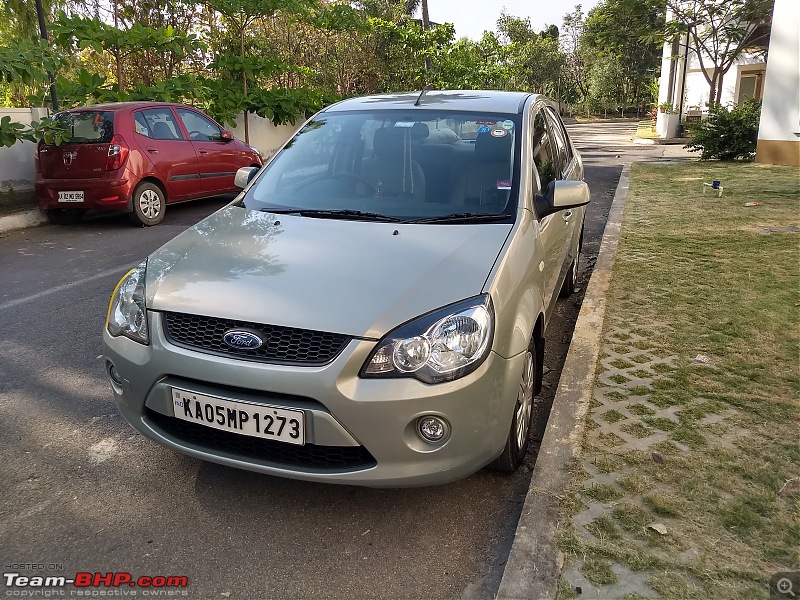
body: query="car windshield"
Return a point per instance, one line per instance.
(417, 165)
(88, 127)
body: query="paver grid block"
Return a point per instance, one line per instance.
(627, 369)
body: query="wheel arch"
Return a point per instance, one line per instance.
(148, 179)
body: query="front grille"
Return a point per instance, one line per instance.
(245, 447)
(283, 345)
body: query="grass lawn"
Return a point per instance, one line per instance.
(646, 130)
(690, 473)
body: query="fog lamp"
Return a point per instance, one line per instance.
(432, 429)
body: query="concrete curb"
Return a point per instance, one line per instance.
(534, 564)
(22, 220)
(661, 142)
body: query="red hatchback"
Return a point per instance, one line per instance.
(137, 157)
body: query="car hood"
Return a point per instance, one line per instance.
(351, 277)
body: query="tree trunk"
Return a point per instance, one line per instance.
(715, 87)
(117, 52)
(244, 86)
(426, 25)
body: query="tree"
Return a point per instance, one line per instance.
(626, 34)
(172, 46)
(721, 31)
(575, 68)
(534, 59)
(468, 65)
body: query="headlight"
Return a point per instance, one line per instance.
(441, 346)
(127, 313)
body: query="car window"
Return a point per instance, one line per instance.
(544, 152)
(564, 152)
(89, 127)
(158, 124)
(418, 164)
(198, 126)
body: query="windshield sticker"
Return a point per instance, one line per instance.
(484, 129)
(503, 184)
(485, 122)
(499, 133)
(507, 125)
(404, 124)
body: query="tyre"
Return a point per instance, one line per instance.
(149, 204)
(519, 435)
(571, 281)
(64, 217)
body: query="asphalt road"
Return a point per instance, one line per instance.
(80, 491)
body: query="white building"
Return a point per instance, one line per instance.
(779, 130)
(684, 86)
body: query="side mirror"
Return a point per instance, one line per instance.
(561, 195)
(244, 176)
(226, 136)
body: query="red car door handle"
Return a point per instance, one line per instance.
(203, 151)
(152, 150)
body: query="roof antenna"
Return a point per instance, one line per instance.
(424, 91)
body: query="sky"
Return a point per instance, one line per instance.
(473, 17)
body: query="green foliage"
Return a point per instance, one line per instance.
(82, 32)
(27, 61)
(234, 64)
(49, 130)
(283, 59)
(10, 132)
(52, 131)
(626, 34)
(468, 65)
(728, 134)
(534, 59)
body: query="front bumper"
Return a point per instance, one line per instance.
(373, 421)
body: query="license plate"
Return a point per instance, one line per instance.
(266, 422)
(70, 196)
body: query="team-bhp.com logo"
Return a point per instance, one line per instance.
(95, 580)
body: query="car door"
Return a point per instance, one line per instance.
(218, 158)
(160, 138)
(572, 218)
(554, 228)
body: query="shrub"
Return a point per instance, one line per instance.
(728, 134)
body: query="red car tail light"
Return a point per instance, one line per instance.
(117, 153)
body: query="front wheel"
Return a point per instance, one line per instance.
(571, 281)
(519, 435)
(149, 204)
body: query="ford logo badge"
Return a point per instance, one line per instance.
(240, 339)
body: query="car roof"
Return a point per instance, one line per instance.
(449, 100)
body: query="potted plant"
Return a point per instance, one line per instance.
(666, 107)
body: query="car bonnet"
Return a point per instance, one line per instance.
(350, 277)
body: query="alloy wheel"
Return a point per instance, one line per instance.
(150, 203)
(524, 402)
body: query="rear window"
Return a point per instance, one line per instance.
(89, 127)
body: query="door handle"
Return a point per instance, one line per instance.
(567, 215)
(152, 150)
(203, 151)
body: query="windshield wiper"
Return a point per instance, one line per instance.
(463, 218)
(335, 214)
